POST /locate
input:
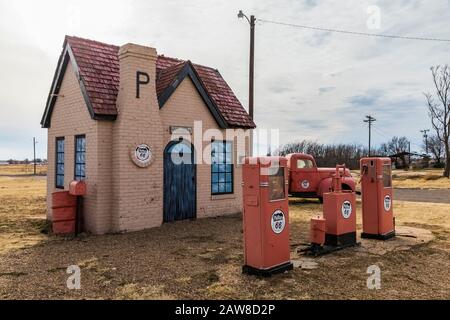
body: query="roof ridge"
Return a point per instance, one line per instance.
(161, 72)
(169, 58)
(159, 55)
(67, 37)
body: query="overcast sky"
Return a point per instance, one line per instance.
(309, 84)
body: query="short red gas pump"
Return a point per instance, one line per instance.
(376, 189)
(336, 230)
(339, 211)
(266, 216)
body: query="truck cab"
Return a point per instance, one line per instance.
(306, 180)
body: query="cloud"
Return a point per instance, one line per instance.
(308, 4)
(366, 100)
(324, 90)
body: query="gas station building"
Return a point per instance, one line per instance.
(115, 118)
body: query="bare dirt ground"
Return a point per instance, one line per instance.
(202, 259)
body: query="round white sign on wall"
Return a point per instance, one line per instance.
(387, 203)
(143, 152)
(346, 209)
(305, 184)
(278, 221)
(142, 155)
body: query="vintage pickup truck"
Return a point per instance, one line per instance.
(306, 180)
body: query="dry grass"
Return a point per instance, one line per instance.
(202, 259)
(22, 169)
(416, 179)
(420, 179)
(22, 209)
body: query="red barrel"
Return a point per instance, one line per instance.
(64, 206)
(317, 232)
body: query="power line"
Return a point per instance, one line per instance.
(354, 32)
(377, 130)
(385, 135)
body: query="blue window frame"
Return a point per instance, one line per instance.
(222, 176)
(59, 161)
(80, 157)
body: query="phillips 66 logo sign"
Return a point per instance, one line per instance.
(387, 203)
(305, 184)
(141, 155)
(278, 221)
(346, 209)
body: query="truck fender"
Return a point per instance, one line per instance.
(324, 186)
(349, 182)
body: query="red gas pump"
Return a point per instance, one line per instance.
(376, 189)
(266, 216)
(339, 211)
(337, 229)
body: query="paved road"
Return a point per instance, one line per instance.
(423, 195)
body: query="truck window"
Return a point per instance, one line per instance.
(276, 183)
(304, 164)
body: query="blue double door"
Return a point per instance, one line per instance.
(180, 179)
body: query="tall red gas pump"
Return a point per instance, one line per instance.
(376, 189)
(266, 216)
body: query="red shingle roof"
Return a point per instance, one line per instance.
(165, 76)
(99, 68)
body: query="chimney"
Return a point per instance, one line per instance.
(137, 79)
(138, 187)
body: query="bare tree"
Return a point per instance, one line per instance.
(327, 155)
(397, 146)
(439, 109)
(436, 147)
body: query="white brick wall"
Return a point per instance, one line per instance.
(70, 117)
(121, 196)
(183, 108)
(138, 192)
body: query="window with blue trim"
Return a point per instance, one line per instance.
(59, 167)
(221, 167)
(80, 158)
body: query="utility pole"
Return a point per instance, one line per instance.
(409, 153)
(425, 136)
(252, 67)
(369, 120)
(34, 154)
(252, 22)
